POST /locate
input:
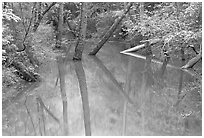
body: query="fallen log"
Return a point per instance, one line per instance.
(138, 47)
(134, 49)
(24, 72)
(192, 62)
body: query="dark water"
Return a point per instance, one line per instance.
(126, 96)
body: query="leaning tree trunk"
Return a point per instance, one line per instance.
(41, 17)
(192, 62)
(82, 32)
(24, 72)
(27, 47)
(60, 27)
(110, 31)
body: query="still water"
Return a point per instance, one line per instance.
(121, 94)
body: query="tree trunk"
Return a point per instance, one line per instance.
(110, 31)
(41, 17)
(141, 12)
(135, 49)
(22, 16)
(27, 46)
(35, 16)
(39, 10)
(72, 30)
(24, 72)
(192, 62)
(82, 32)
(60, 27)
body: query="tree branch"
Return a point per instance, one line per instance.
(48, 8)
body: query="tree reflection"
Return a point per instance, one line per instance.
(127, 90)
(144, 96)
(112, 78)
(61, 69)
(84, 95)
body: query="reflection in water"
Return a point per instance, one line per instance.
(127, 90)
(61, 68)
(31, 119)
(110, 114)
(158, 114)
(19, 95)
(145, 105)
(40, 102)
(164, 65)
(179, 96)
(84, 95)
(111, 77)
(41, 119)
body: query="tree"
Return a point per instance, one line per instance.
(10, 55)
(82, 32)
(192, 62)
(40, 16)
(110, 31)
(178, 25)
(27, 46)
(59, 26)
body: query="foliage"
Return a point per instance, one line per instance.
(15, 35)
(8, 15)
(175, 23)
(8, 78)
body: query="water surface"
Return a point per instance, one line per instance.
(126, 96)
